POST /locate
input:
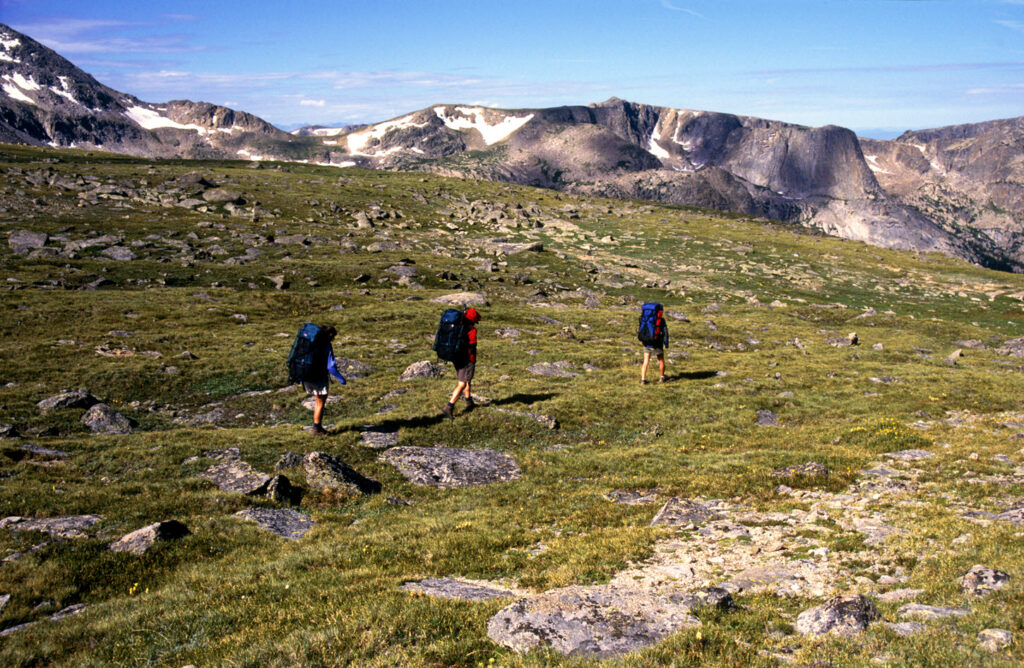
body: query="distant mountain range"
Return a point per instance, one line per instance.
(958, 190)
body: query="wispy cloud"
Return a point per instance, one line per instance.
(936, 67)
(1012, 25)
(312, 103)
(675, 8)
(997, 90)
(95, 36)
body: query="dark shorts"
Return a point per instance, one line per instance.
(465, 373)
(317, 389)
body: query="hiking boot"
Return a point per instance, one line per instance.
(319, 430)
(447, 410)
(662, 379)
(470, 405)
(643, 382)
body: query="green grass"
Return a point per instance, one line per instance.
(232, 595)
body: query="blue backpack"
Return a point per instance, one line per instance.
(307, 361)
(451, 341)
(651, 330)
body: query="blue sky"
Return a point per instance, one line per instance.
(877, 66)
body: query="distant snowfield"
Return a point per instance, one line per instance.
(151, 120)
(874, 166)
(8, 42)
(15, 86)
(654, 148)
(491, 133)
(357, 141)
(65, 91)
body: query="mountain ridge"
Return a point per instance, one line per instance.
(957, 190)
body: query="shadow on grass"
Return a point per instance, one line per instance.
(692, 375)
(523, 399)
(394, 425)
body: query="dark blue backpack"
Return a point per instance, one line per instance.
(451, 341)
(651, 330)
(307, 362)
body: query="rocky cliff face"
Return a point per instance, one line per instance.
(957, 190)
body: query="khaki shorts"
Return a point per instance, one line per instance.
(316, 389)
(655, 350)
(465, 373)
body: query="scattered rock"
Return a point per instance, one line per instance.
(842, 615)
(981, 580)
(994, 640)
(288, 460)
(327, 472)
(808, 469)
(68, 526)
(425, 369)
(898, 595)
(235, 475)
(101, 418)
(766, 418)
(635, 497)
(919, 611)
(140, 540)
(119, 253)
(23, 241)
(904, 628)
(1013, 348)
(680, 512)
(546, 420)
(81, 398)
(909, 455)
(463, 590)
(284, 522)
(599, 621)
(351, 368)
(452, 467)
(8, 431)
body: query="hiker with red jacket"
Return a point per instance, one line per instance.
(653, 334)
(465, 365)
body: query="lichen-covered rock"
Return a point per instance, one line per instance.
(235, 475)
(842, 615)
(920, 611)
(327, 472)
(379, 438)
(981, 580)
(424, 369)
(463, 590)
(552, 369)
(68, 526)
(452, 467)
(808, 469)
(140, 540)
(80, 398)
(284, 522)
(683, 512)
(599, 621)
(102, 419)
(993, 640)
(462, 299)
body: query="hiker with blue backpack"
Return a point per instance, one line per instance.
(311, 362)
(653, 334)
(455, 342)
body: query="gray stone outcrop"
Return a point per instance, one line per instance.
(842, 615)
(327, 472)
(284, 522)
(140, 540)
(452, 467)
(80, 398)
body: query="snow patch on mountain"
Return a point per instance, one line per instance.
(491, 133)
(151, 120)
(873, 165)
(357, 141)
(16, 84)
(7, 43)
(65, 91)
(654, 148)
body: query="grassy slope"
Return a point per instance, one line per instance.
(230, 594)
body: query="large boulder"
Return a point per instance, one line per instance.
(684, 512)
(452, 467)
(424, 369)
(24, 241)
(462, 299)
(981, 580)
(235, 475)
(598, 621)
(80, 398)
(327, 472)
(842, 615)
(101, 418)
(140, 540)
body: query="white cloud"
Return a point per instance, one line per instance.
(1012, 25)
(670, 6)
(312, 103)
(996, 90)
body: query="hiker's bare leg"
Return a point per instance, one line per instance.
(661, 365)
(643, 371)
(458, 392)
(468, 392)
(318, 408)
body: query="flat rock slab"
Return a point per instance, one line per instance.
(284, 522)
(767, 418)
(919, 611)
(68, 526)
(67, 399)
(327, 472)
(633, 497)
(552, 369)
(545, 420)
(842, 615)
(994, 640)
(22, 450)
(904, 628)
(462, 299)
(463, 590)
(1013, 515)
(424, 369)
(452, 467)
(909, 455)
(897, 595)
(140, 540)
(379, 438)
(981, 580)
(684, 512)
(600, 621)
(776, 577)
(235, 475)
